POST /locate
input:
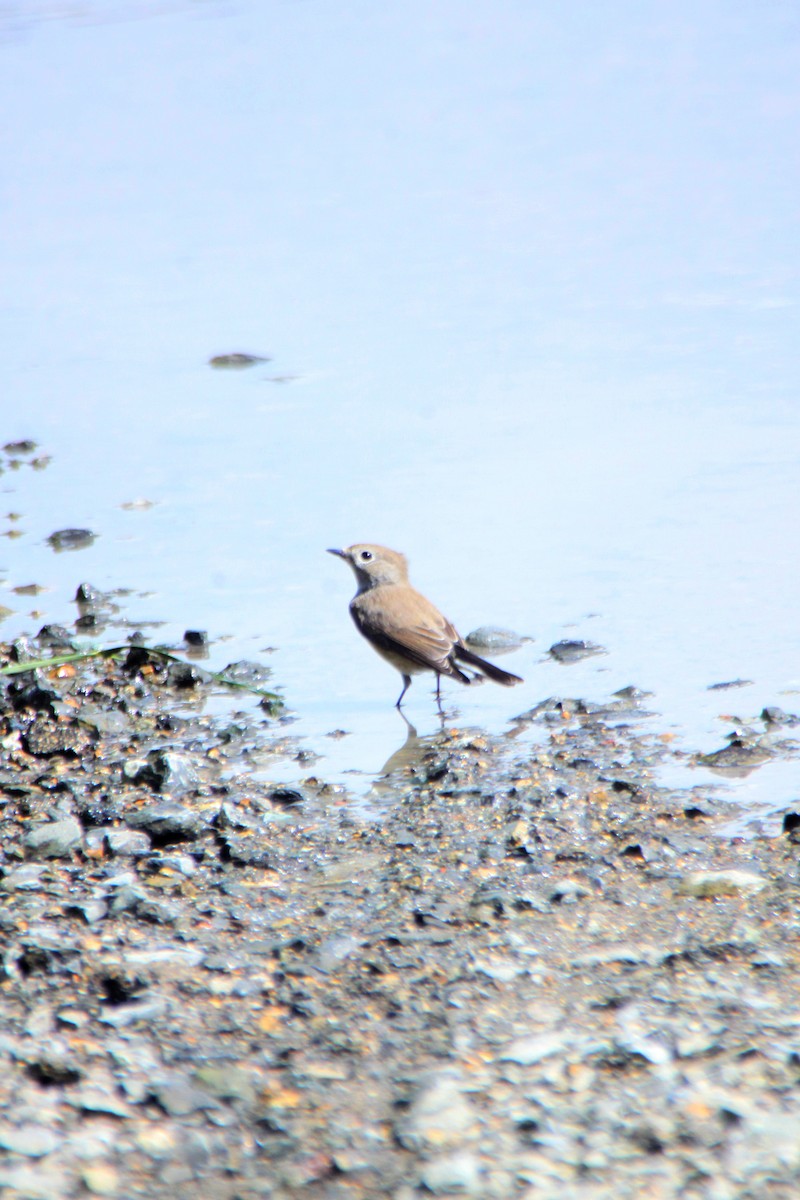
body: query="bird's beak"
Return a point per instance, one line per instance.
(338, 553)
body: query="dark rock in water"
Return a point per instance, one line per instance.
(286, 796)
(775, 716)
(495, 639)
(71, 539)
(791, 825)
(236, 360)
(183, 675)
(196, 637)
(56, 636)
(22, 651)
(26, 446)
(731, 683)
(252, 674)
(741, 752)
(166, 822)
(138, 657)
(631, 693)
(87, 594)
(570, 651)
(87, 623)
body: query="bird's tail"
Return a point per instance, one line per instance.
(497, 674)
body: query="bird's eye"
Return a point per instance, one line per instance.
(365, 555)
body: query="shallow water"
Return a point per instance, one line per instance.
(528, 280)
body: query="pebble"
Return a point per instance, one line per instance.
(92, 911)
(23, 879)
(529, 1050)
(568, 891)
(55, 839)
(166, 821)
(131, 843)
(156, 1141)
(161, 769)
(721, 883)
(228, 1082)
(121, 1015)
(26, 1182)
(571, 650)
(101, 1179)
(98, 1100)
(236, 360)
(453, 1173)
(494, 638)
(439, 1116)
(501, 970)
(71, 539)
(34, 1141)
(178, 1097)
(335, 949)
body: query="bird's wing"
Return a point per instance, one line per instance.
(407, 625)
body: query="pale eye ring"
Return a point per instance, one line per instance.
(365, 556)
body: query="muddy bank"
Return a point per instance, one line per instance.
(530, 973)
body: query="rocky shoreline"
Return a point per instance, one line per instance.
(530, 973)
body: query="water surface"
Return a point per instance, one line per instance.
(528, 279)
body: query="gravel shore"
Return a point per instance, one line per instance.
(528, 972)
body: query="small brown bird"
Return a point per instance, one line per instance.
(405, 628)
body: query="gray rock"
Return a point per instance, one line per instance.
(23, 879)
(71, 539)
(335, 949)
(162, 769)
(33, 1141)
(721, 883)
(501, 970)
(108, 722)
(453, 1173)
(571, 650)
(439, 1116)
(529, 1050)
(100, 1100)
(101, 1179)
(227, 1082)
(122, 1015)
(55, 839)
(33, 1182)
(621, 952)
(132, 843)
(166, 821)
(178, 1097)
(568, 891)
(145, 906)
(92, 911)
(494, 638)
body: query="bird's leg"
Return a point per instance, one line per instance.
(406, 686)
(439, 694)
